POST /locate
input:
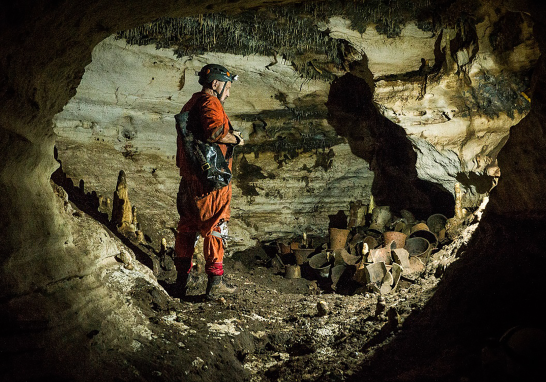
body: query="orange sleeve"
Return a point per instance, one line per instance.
(214, 120)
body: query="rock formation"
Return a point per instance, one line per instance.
(122, 211)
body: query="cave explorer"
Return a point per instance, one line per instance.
(202, 212)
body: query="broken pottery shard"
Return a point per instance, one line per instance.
(380, 255)
(337, 272)
(387, 280)
(396, 272)
(385, 288)
(371, 242)
(357, 238)
(349, 259)
(338, 258)
(401, 256)
(416, 267)
(375, 272)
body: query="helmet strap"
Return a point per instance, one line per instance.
(219, 95)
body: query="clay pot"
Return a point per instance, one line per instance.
(418, 247)
(436, 223)
(321, 264)
(381, 216)
(338, 238)
(419, 227)
(426, 234)
(293, 272)
(302, 255)
(398, 237)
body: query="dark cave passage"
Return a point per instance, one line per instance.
(386, 147)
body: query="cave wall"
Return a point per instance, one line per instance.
(46, 47)
(293, 172)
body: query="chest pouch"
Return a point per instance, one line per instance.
(206, 158)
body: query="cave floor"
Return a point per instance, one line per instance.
(272, 329)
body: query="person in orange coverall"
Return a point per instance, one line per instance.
(202, 211)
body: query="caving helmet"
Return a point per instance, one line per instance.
(213, 72)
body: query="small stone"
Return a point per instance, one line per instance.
(198, 362)
(322, 308)
(380, 307)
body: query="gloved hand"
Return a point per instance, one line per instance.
(240, 140)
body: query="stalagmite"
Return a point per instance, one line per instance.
(372, 204)
(163, 246)
(122, 213)
(459, 211)
(135, 221)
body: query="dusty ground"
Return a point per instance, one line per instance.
(272, 329)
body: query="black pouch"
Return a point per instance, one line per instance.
(206, 158)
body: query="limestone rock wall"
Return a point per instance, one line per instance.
(293, 172)
(455, 92)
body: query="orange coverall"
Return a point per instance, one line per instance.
(202, 212)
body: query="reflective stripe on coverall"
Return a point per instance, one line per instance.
(202, 212)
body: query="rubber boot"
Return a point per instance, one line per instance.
(180, 287)
(216, 285)
(183, 282)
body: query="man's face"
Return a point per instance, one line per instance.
(218, 86)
